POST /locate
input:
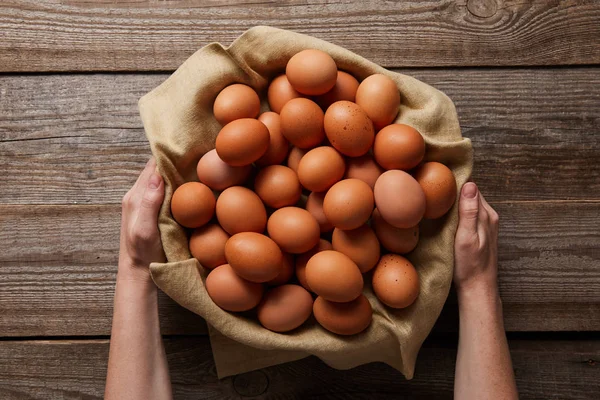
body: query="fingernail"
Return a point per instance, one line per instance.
(469, 190)
(154, 181)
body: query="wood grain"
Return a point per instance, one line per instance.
(78, 139)
(80, 35)
(58, 267)
(76, 369)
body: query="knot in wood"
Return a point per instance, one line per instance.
(482, 8)
(251, 384)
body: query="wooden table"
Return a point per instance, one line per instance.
(525, 78)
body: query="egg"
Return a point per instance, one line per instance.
(320, 168)
(193, 204)
(439, 186)
(241, 210)
(287, 271)
(311, 72)
(302, 260)
(302, 123)
(399, 146)
(360, 245)
(230, 292)
(396, 240)
(399, 199)
(395, 281)
(294, 158)
(343, 318)
(235, 102)
(344, 89)
(364, 168)
(207, 245)
(348, 128)
(285, 308)
(253, 256)
(348, 204)
(278, 145)
(280, 92)
(217, 174)
(334, 276)
(243, 141)
(293, 229)
(314, 205)
(277, 186)
(378, 95)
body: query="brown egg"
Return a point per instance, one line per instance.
(278, 145)
(240, 210)
(439, 186)
(235, 102)
(343, 318)
(302, 123)
(314, 205)
(193, 204)
(311, 72)
(277, 186)
(348, 128)
(253, 256)
(395, 281)
(303, 258)
(399, 198)
(360, 244)
(285, 308)
(399, 146)
(293, 229)
(396, 240)
(217, 174)
(348, 204)
(243, 141)
(344, 89)
(334, 276)
(294, 158)
(207, 245)
(364, 168)
(320, 168)
(286, 273)
(378, 95)
(280, 92)
(230, 292)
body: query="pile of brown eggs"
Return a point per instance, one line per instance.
(309, 195)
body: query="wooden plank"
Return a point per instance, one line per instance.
(77, 369)
(68, 139)
(58, 263)
(79, 35)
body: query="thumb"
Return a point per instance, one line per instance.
(154, 195)
(468, 208)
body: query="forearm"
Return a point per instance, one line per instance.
(137, 366)
(483, 364)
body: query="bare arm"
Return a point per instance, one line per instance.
(137, 364)
(483, 364)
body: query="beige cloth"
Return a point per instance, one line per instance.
(178, 120)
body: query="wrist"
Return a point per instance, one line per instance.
(130, 271)
(479, 293)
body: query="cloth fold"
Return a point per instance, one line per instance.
(178, 120)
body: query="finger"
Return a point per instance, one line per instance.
(151, 202)
(142, 181)
(492, 215)
(468, 208)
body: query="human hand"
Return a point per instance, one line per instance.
(140, 242)
(476, 243)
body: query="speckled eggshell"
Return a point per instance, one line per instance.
(349, 129)
(285, 308)
(439, 186)
(395, 281)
